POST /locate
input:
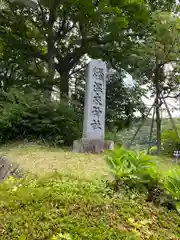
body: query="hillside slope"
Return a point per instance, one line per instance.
(75, 202)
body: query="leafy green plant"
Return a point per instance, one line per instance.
(170, 142)
(120, 163)
(153, 150)
(133, 167)
(172, 185)
(124, 163)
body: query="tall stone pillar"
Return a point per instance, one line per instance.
(94, 111)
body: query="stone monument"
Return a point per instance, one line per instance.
(94, 111)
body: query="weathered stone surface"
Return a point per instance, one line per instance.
(9, 169)
(95, 100)
(86, 145)
(94, 111)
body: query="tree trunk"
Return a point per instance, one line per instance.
(64, 84)
(158, 123)
(151, 132)
(51, 51)
(50, 78)
(158, 117)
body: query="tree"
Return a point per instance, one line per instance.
(152, 57)
(123, 102)
(59, 33)
(46, 45)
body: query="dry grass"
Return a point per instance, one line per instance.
(39, 160)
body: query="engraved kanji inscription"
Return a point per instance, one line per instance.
(97, 99)
(98, 73)
(96, 124)
(94, 115)
(97, 111)
(98, 87)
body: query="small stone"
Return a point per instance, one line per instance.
(9, 169)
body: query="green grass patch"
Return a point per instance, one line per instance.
(66, 196)
(53, 206)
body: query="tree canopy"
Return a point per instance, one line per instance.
(60, 33)
(50, 43)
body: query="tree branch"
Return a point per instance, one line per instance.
(78, 70)
(44, 21)
(63, 30)
(175, 96)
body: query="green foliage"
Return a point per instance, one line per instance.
(122, 102)
(97, 23)
(172, 185)
(161, 45)
(170, 142)
(57, 207)
(31, 116)
(134, 166)
(153, 150)
(136, 169)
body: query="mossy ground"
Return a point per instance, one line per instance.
(75, 203)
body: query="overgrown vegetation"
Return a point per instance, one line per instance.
(134, 166)
(33, 117)
(46, 49)
(141, 172)
(170, 141)
(61, 207)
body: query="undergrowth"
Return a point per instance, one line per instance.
(32, 117)
(62, 207)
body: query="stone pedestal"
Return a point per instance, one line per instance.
(86, 145)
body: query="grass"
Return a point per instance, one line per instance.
(75, 203)
(40, 160)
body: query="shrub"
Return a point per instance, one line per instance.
(31, 116)
(172, 185)
(133, 167)
(141, 172)
(170, 142)
(153, 150)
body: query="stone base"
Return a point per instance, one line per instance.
(85, 145)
